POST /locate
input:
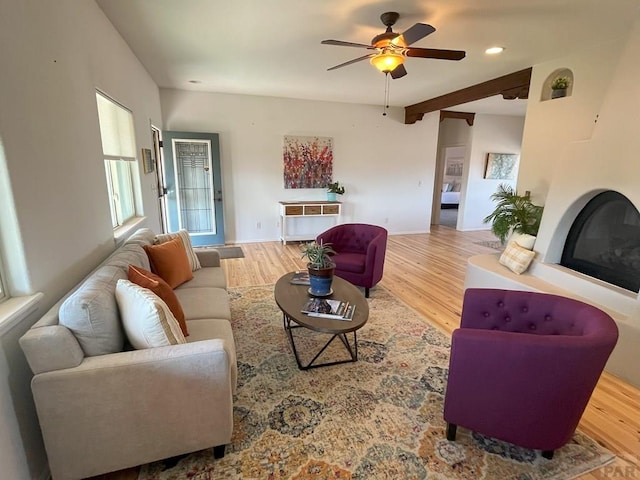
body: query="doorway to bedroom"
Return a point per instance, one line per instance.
(452, 165)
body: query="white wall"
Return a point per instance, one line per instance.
(551, 125)
(568, 158)
(454, 132)
(387, 167)
(53, 56)
(489, 134)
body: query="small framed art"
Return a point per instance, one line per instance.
(501, 166)
(147, 161)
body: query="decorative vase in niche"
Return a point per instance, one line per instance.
(332, 196)
(558, 92)
(320, 280)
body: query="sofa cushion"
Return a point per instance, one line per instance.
(142, 237)
(91, 313)
(49, 348)
(206, 277)
(157, 285)
(169, 260)
(204, 302)
(205, 329)
(130, 254)
(194, 262)
(147, 320)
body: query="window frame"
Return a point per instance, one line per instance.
(4, 295)
(122, 191)
(122, 210)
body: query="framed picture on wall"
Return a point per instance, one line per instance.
(147, 161)
(501, 166)
(308, 161)
(453, 167)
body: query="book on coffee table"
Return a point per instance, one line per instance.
(328, 308)
(300, 277)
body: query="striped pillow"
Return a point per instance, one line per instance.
(194, 263)
(516, 258)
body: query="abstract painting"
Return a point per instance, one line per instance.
(502, 166)
(308, 161)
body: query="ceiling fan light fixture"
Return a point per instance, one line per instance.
(387, 61)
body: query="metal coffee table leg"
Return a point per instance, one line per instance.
(289, 325)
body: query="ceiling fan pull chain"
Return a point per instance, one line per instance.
(385, 107)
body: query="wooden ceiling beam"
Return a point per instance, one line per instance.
(467, 116)
(513, 85)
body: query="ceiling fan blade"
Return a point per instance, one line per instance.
(435, 53)
(413, 34)
(398, 72)
(340, 43)
(355, 60)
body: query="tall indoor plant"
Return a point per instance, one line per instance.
(513, 214)
(320, 267)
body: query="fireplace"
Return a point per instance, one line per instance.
(604, 241)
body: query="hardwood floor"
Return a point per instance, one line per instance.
(427, 271)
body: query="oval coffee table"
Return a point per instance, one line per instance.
(291, 298)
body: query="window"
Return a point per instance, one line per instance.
(119, 151)
(3, 290)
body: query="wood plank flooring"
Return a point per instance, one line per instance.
(427, 271)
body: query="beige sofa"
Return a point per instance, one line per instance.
(103, 406)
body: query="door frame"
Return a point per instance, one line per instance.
(168, 137)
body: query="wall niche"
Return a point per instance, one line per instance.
(549, 93)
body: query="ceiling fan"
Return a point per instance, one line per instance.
(391, 48)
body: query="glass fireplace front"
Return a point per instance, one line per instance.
(604, 241)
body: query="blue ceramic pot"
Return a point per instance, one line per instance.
(320, 281)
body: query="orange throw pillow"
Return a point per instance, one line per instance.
(157, 285)
(170, 261)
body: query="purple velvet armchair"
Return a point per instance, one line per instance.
(523, 366)
(360, 252)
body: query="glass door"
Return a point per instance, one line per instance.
(194, 186)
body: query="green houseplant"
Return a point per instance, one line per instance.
(320, 267)
(333, 190)
(513, 213)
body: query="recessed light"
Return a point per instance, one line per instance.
(494, 50)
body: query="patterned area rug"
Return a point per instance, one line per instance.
(495, 244)
(379, 418)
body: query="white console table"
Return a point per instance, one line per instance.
(308, 209)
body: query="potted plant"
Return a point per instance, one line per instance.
(513, 213)
(320, 267)
(559, 87)
(333, 190)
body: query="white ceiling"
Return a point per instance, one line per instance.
(261, 47)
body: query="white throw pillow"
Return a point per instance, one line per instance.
(147, 320)
(194, 263)
(524, 240)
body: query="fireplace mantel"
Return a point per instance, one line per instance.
(485, 271)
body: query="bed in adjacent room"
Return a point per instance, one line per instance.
(449, 199)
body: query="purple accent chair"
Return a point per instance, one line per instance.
(523, 366)
(360, 252)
